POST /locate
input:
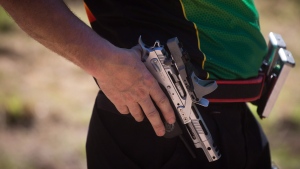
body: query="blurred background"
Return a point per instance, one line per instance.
(46, 101)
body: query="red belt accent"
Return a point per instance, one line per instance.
(237, 90)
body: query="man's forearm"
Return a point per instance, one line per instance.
(56, 27)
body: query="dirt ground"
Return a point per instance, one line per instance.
(46, 101)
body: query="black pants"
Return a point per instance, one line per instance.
(118, 141)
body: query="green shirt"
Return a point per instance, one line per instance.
(229, 36)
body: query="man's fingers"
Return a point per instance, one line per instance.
(136, 111)
(163, 103)
(123, 109)
(153, 116)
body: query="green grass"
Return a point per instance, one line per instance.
(285, 158)
(6, 22)
(14, 105)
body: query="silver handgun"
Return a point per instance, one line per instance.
(184, 90)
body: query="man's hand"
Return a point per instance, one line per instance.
(131, 88)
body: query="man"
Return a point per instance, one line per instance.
(232, 48)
